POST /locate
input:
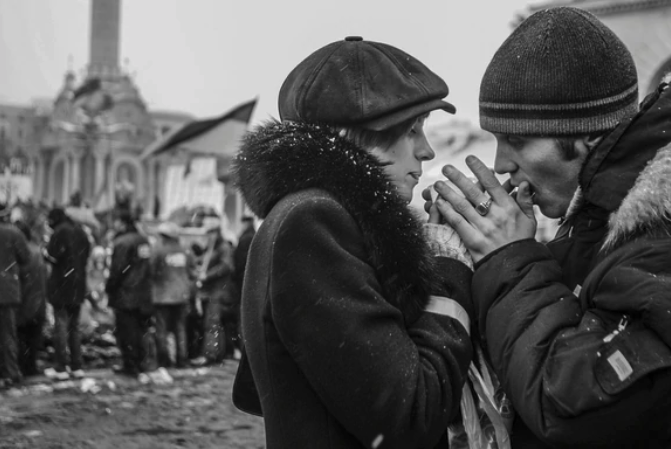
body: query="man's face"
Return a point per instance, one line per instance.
(540, 161)
(119, 225)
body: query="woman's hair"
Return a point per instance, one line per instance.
(367, 138)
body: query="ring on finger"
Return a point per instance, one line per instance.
(483, 207)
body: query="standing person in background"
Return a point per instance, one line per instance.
(173, 274)
(68, 252)
(14, 262)
(578, 329)
(215, 274)
(129, 291)
(32, 314)
(240, 262)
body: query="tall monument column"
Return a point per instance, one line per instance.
(104, 39)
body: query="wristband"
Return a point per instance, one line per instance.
(449, 307)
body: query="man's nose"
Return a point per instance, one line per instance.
(503, 163)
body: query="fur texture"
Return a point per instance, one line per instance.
(280, 158)
(647, 207)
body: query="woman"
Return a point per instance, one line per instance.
(348, 326)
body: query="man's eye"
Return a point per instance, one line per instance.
(515, 141)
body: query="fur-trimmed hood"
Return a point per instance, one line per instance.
(277, 159)
(628, 175)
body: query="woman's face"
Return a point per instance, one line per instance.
(405, 159)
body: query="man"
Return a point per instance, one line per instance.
(241, 251)
(129, 291)
(215, 290)
(578, 330)
(32, 313)
(173, 274)
(14, 259)
(240, 262)
(68, 252)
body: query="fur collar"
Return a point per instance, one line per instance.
(646, 210)
(277, 159)
(627, 175)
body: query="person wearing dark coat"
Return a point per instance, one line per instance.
(242, 249)
(68, 251)
(32, 314)
(215, 291)
(355, 330)
(578, 330)
(129, 290)
(14, 262)
(240, 262)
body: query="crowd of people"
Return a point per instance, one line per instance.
(150, 280)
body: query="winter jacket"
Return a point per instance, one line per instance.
(14, 259)
(68, 252)
(129, 285)
(172, 269)
(338, 275)
(240, 255)
(217, 279)
(33, 283)
(580, 330)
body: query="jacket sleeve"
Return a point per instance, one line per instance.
(120, 263)
(56, 249)
(564, 368)
(376, 374)
(221, 265)
(23, 259)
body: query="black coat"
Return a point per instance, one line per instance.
(240, 254)
(579, 331)
(337, 278)
(129, 285)
(14, 261)
(68, 251)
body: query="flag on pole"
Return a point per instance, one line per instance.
(215, 137)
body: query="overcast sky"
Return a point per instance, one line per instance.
(206, 56)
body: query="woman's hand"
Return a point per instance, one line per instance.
(486, 217)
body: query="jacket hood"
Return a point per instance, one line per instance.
(613, 166)
(646, 210)
(277, 159)
(625, 178)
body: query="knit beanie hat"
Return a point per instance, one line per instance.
(562, 72)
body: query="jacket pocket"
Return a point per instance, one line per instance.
(629, 356)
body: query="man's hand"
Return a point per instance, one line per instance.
(508, 218)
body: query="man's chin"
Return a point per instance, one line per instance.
(550, 212)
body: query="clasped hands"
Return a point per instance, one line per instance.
(503, 216)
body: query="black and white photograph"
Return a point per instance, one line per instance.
(359, 224)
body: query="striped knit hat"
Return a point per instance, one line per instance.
(560, 73)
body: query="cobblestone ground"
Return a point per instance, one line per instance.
(107, 411)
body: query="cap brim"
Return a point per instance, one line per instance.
(389, 120)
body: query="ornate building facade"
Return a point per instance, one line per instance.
(98, 127)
